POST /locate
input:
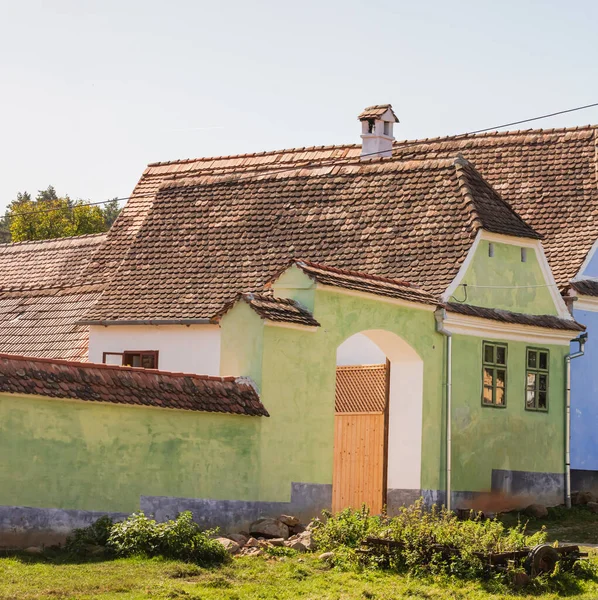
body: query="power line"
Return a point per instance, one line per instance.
(332, 161)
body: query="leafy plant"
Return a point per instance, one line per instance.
(180, 538)
(96, 534)
(431, 541)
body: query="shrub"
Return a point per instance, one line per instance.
(431, 541)
(96, 534)
(180, 538)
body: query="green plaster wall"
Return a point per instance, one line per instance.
(295, 284)
(241, 343)
(92, 456)
(512, 438)
(505, 268)
(298, 385)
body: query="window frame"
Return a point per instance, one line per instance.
(494, 366)
(537, 371)
(124, 353)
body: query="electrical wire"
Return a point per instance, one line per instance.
(332, 161)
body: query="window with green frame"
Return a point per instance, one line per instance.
(494, 374)
(536, 379)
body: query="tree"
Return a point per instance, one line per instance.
(51, 216)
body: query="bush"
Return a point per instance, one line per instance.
(97, 534)
(180, 538)
(424, 535)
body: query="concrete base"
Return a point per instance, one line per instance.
(584, 481)
(509, 490)
(21, 527)
(308, 500)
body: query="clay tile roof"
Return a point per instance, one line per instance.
(360, 389)
(128, 385)
(493, 213)
(351, 280)
(205, 238)
(376, 111)
(585, 287)
(549, 176)
(45, 264)
(40, 300)
(505, 316)
(283, 310)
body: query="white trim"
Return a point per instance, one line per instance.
(372, 296)
(586, 261)
(451, 289)
(486, 328)
(559, 303)
(589, 303)
(286, 325)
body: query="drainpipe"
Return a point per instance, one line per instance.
(581, 340)
(440, 315)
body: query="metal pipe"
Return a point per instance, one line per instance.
(581, 340)
(440, 328)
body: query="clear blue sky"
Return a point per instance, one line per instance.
(93, 90)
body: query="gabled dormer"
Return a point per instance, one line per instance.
(377, 131)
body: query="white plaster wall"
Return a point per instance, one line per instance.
(359, 350)
(187, 349)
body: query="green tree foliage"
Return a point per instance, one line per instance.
(52, 216)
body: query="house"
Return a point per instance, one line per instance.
(431, 273)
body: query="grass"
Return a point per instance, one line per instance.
(25, 577)
(53, 576)
(577, 524)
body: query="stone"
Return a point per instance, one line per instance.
(538, 511)
(581, 498)
(593, 506)
(33, 550)
(297, 529)
(326, 556)
(252, 543)
(276, 542)
(288, 520)
(306, 539)
(269, 528)
(230, 545)
(296, 545)
(239, 538)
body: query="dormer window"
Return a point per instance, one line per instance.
(387, 128)
(371, 125)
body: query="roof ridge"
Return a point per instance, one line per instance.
(90, 365)
(50, 240)
(354, 166)
(361, 274)
(397, 144)
(254, 154)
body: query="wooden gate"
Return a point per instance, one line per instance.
(360, 437)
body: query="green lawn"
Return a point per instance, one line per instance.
(25, 577)
(28, 577)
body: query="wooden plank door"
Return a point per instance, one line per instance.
(359, 437)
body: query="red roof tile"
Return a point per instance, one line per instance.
(205, 239)
(128, 385)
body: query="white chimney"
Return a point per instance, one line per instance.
(376, 131)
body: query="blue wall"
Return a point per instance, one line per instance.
(584, 397)
(591, 269)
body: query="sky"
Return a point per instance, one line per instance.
(91, 91)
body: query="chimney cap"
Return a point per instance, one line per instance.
(377, 112)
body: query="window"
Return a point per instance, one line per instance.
(490, 249)
(147, 359)
(386, 128)
(523, 254)
(536, 378)
(494, 374)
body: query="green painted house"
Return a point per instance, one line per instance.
(217, 312)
